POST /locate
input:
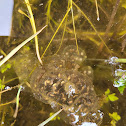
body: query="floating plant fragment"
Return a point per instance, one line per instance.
(110, 97)
(115, 117)
(120, 82)
(5, 67)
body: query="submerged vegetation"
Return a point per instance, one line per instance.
(98, 27)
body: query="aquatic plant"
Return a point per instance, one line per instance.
(115, 118)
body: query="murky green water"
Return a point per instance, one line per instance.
(33, 112)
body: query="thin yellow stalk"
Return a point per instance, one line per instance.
(63, 34)
(10, 88)
(1, 87)
(76, 17)
(32, 21)
(97, 12)
(19, 46)
(92, 26)
(21, 12)
(2, 52)
(93, 40)
(10, 80)
(84, 33)
(13, 101)
(120, 60)
(3, 117)
(56, 32)
(17, 102)
(74, 25)
(12, 124)
(61, 39)
(48, 14)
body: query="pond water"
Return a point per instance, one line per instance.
(98, 40)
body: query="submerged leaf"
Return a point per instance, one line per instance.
(123, 3)
(109, 96)
(5, 67)
(113, 123)
(107, 92)
(121, 89)
(112, 97)
(56, 117)
(115, 116)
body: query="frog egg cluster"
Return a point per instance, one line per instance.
(71, 53)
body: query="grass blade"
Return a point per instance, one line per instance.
(32, 21)
(19, 46)
(56, 31)
(17, 102)
(50, 118)
(92, 27)
(97, 12)
(74, 25)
